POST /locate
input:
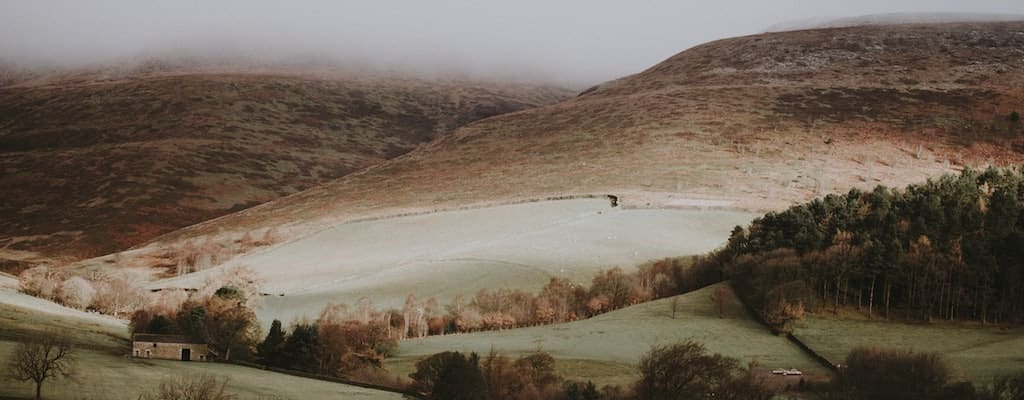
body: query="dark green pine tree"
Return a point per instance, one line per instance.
(269, 352)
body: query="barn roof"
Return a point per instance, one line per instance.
(151, 337)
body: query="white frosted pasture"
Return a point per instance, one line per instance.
(447, 253)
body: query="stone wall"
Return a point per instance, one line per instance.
(168, 351)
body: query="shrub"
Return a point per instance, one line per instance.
(451, 376)
(682, 371)
(194, 387)
(118, 293)
(77, 292)
(872, 373)
(1008, 387)
(43, 282)
(581, 391)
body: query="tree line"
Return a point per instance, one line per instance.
(353, 340)
(680, 371)
(219, 314)
(686, 370)
(950, 248)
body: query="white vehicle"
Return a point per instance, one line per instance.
(787, 372)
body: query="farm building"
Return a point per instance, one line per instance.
(168, 347)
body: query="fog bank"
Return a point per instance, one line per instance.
(570, 41)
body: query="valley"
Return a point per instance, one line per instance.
(747, 195)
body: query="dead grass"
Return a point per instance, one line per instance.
(761, 121)
(92, 165)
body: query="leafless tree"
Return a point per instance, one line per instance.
(271, 236)
(77, 292)
(41, 357)
(240, 277)
(43, 282)
(119, 292)
(719, 297)
(194, 387)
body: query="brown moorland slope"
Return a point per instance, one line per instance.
(759, 122)
(94, 162)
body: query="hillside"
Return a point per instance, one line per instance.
(105, 373)
(893, 19)
(607, 347)
(757, 122)
(97, 161)
(447, 254)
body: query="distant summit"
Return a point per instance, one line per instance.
(891, 19)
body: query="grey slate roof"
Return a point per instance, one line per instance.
(155, 338)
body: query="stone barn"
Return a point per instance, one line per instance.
(168, 347)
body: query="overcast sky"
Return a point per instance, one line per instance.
(578, 41)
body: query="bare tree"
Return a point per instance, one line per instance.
(77, 292)
(271, 236)
(229, 324)
(119, 292)
(719, 297)
(194, 387)
(240, 277)
(42, 281)
(43, 356)
(408, 315)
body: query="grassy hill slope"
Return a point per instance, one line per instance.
(442, 255)
(975, 352)
(106, 376)
(94, 162)
(103, 371)
(757, 122)
(606, 348)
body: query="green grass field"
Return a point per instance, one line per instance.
(974, 352)
(102, 375)
(22, 315)
(606, 348)
(103, 371)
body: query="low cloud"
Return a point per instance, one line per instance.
(570, 41)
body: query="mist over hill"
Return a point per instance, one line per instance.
(892, 19)
(754, 122)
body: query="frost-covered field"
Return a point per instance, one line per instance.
(444, 254)
(605, 348)
(22, 314)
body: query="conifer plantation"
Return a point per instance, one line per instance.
(950, 249)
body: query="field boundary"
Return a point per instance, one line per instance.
(789, 336)
(365, 385)
(319, 226)
(807, 349)
(341, 220)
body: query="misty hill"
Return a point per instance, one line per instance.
(757, 122)
(893, 19)
(95, 161)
